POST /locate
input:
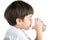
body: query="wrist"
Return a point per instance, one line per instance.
(39, 29)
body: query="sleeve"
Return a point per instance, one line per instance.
(31, 33)
(10, 38)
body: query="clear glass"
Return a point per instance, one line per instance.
(43, 27)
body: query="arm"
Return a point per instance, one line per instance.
(38, 28)
(39, 35)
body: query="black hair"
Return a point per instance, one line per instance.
(17, 9)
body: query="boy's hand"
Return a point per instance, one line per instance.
(38, 28)
(38, 24)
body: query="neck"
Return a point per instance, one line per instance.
(18, 26)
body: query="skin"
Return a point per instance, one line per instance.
(38, 28)
(26, 23)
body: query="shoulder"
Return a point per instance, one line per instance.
(11, 32)
(15, 34)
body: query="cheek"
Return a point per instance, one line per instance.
(28, 23)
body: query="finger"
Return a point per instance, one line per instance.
(40, 20)
(36, 20)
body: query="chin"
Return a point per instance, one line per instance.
(27, 28)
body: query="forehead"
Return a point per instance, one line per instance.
(29, 16)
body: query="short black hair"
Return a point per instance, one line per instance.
(17, 9)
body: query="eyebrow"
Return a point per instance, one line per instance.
(30, 16)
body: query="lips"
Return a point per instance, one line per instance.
(30, 26)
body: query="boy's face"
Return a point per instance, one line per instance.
(27, 21)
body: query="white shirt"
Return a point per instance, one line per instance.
(16, 34)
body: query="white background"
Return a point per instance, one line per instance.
(47, 10)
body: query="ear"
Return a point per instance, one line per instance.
(18, 21)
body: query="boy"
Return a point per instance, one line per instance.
(18, 15)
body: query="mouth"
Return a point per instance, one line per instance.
(30, 26)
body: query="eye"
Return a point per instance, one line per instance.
(30, 19)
